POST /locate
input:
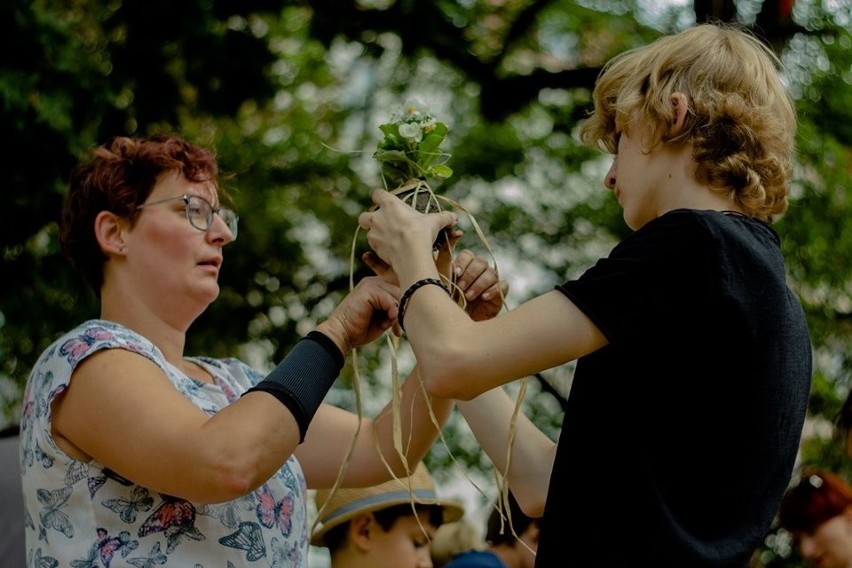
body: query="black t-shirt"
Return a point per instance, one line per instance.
(680, 436)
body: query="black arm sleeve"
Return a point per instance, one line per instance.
(303, 378)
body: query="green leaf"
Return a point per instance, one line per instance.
(390, 129)
(441, 171)
(441, 129)
(429, 144)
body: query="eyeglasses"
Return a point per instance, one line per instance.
(199, 213)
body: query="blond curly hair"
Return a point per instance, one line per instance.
(741, 120)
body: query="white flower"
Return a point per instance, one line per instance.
(411, 131)
(400, 152)
(414, 109)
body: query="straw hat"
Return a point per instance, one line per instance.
(346, 504)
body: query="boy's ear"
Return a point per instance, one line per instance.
(360, 531)
(109, 232)
(680, 108)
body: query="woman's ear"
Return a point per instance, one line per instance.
(680, 108)
(109, 232)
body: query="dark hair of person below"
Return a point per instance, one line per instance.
(519, 523)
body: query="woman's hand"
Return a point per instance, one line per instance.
(480, 283)
(364, 314)
(483, 290)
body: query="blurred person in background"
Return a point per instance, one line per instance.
(817, 512)
(454, 538)
(512, 539)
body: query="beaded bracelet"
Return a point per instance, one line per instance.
(403, 303)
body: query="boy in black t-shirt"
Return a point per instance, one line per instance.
(693, 355)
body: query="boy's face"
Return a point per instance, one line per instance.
(404, 545)
(650, 179)
(635, 177)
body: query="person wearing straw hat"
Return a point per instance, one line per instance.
(389, 525)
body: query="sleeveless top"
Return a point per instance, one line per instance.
(83, 515)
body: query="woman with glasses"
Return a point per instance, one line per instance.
(135, 454)
(817, 511)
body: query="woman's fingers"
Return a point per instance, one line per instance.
(473, 274)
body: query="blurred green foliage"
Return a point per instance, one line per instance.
(291, 94)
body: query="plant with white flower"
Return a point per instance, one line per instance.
(410, 153)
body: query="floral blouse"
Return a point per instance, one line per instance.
(83, 515)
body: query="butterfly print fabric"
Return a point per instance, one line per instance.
(83, 515)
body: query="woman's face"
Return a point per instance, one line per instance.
(830, 545)
(170, 261)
